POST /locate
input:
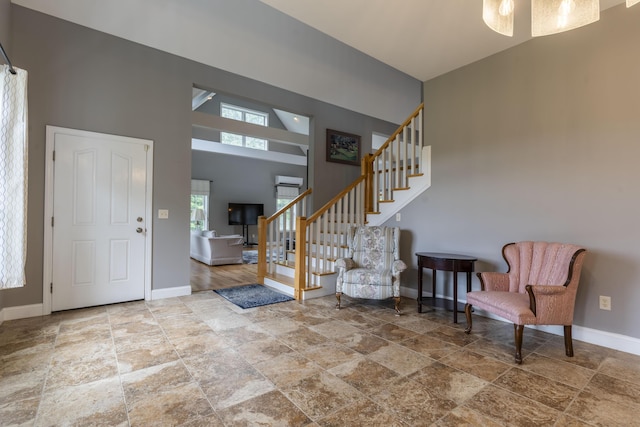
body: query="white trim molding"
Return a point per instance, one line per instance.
(20, 312)
(232, 150)
(47, 262)
(178, 291)
(579, 333)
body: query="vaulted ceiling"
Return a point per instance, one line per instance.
(422, 38)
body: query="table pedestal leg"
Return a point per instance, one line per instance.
(455, 295)
(419, 287)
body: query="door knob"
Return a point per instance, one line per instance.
(139, 219)
(138, 230)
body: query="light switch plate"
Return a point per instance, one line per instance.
(163, 214)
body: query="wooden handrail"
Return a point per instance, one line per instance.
(400, 129)
(267, 230)
(289, 205)
(333, 201)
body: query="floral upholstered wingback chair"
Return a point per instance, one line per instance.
(372, 266)
(538, 289)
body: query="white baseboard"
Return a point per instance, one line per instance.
(33, 310)
(178, 291)
(579, 333)
(20, 312)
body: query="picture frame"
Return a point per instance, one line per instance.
(343, 147)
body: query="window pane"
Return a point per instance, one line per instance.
(260, 144)
(256, 119)
(230, 113)
(231, 139)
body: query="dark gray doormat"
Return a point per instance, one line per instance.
(249, 296)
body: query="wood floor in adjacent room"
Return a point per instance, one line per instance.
(206, 277)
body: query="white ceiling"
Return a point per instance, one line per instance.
(422, 38)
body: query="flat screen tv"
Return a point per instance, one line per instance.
(245, 213)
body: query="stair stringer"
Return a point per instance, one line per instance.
(401, 198)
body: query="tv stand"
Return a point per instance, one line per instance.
(245, 235)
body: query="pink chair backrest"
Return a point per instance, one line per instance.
(539, 263)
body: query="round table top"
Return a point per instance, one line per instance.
(444, 256)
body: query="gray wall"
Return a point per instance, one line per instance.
(271, 47)
(80, 78)
(541, 142)
(239, 180)
(5, 25)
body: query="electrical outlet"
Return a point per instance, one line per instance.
(398, 216)
(605, 303)
(163, 214)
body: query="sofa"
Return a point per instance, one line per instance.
(209, 248)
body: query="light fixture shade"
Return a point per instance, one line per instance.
(556, 16)
(197, 215)
(498, 15)
(632, 2)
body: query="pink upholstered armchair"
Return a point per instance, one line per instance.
(372, 267)
(539, 288)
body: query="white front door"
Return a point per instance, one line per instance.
(99, 219)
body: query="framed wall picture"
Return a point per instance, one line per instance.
(343, 147)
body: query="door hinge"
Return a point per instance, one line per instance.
(52, 221)
(51, 288)
(146, 148)
(54, 155)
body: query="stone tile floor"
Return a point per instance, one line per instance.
(201, 361)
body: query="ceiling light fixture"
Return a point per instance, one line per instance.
(547, 16)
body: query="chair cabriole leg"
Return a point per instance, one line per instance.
(467, 313)
(397, 305)
(568, 342)
(338, 298)
(519, 330)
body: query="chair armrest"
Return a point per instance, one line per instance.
(398, 267)
(539, 290)
(346, 263)
(238, 241)
(493, 281)
(550, 303)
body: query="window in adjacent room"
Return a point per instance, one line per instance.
(200, 204)
(245, 115)
(284, 196)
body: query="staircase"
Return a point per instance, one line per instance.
(296, 252)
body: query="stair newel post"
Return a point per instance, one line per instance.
(262, 248)
(300, 274)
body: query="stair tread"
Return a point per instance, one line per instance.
(292, 266)
(288, 281)
(281, 278)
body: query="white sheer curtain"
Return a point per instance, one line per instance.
(13, 177)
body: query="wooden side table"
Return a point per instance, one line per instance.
(444, 262)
